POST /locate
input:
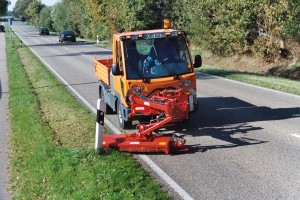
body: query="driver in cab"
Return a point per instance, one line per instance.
(163, 51)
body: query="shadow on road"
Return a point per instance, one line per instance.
(66, 43)
(227, 119)
(98, 53)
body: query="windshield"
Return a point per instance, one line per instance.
(156, 57)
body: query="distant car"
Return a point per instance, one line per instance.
(2, 28)
(44, 31)
(66, 35)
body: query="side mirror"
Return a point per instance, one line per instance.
(115, 70)
(198, 61)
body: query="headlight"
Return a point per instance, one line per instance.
(187, 83)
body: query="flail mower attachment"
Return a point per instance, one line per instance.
(169, 105)
(135, 143)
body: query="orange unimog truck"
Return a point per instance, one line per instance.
(149, 61)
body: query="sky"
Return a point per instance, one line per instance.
(46, 2)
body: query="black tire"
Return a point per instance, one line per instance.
(122, 122)
(108, 109)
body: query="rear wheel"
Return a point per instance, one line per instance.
(122, 122)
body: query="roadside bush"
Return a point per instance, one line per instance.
(235, 27)
(266, 48)
(101, 30)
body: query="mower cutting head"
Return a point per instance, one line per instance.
(139, 144)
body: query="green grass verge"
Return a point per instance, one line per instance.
(51, 139)
(276, 83)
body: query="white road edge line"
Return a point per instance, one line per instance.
(179, 190)
(295, 135)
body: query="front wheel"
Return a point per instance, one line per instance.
(122, 122)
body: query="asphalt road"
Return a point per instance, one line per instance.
(244, 141)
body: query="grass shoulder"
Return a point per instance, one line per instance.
(267, 81)
(51, 140)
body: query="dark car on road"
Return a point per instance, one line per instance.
(44, 31)
(66, 35)
(2, 28)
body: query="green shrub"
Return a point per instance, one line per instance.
(266, 48)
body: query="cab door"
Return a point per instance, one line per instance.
(119, 80)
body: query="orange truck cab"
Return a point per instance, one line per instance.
(149, 61)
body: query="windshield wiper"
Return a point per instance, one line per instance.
(137, 72)
(176, 76)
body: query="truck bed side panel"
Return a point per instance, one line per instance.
(102, 68)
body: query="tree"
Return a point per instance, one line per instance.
(76, 14)
(71, 14)
(292, 25)
(33, 11)
(45, 18)
(60, 15)
(97, 24)
(20, 8)
(3, 6)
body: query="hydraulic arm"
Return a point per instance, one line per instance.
(169, 105)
